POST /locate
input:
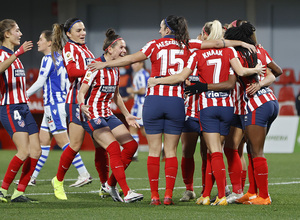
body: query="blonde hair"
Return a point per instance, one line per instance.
(213, 29)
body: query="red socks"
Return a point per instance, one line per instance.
(102, 164)
(171, 168)
(244, 176)
(11, 172)
(153, 164)
(209, 177)
(234, 169)
(187, 170)
(252, 184)
(261, 175)
(126, 156)
(218, 168)
(65, 162)
(117, 166)
(27, 171)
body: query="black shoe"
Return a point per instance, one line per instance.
(135, 159)
(2, 197)
(23, 198)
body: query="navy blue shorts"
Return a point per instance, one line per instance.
(17, 118)
(163, 114)
(216, 119)
(73, 113)
(238, 121)
(97, 123)
(191, 124)
(264, 115)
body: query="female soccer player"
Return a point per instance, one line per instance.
(76, 57)
(262, 110)
(54, 80)
(138, 92)
(104, 127)
(14, 112)
(216, 108)
(163, 112)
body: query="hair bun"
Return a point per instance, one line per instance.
(110, 33)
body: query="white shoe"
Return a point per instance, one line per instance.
(32, 182)
(113, 192)
(133, 197)
(233, 196)
(187, 196)
(82, 180)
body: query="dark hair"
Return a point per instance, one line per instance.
(47, 34)
(111, 39)
(243, 33)
(178, 26)
(6, 25)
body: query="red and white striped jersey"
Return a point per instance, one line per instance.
(238, 98)
(103, 85)
(192, 102)
(213, 67)
(167, 59)
(12, 80)
(265, 94)
(81, 56)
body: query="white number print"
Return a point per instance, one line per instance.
(17, 115)
(173, 61)
(217, 69)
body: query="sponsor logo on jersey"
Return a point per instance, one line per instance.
(194, 78)
(54, 111)
(21, 123)
(213, 94)
(263, 91)
(108, 89)
(69, 56)
(19, 72)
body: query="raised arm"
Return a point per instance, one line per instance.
(122, 61)
(207, 44)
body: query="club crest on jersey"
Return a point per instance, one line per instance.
(97, 121)
(89, 60)
(19, 72)
(21, 123)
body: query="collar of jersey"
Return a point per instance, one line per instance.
(75, 42)
(104, 60)
(169, 36)
(6, 49)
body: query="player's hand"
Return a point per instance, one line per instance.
(96, 65)
(152, 82)
(131, 121)
(253, 88)
(199, 87)
(26, 46)
(129, 90)
(85, 110)
(250, 47)
(260, 69)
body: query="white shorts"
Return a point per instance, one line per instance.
(137, 110)
(54, 119)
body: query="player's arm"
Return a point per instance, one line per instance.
(176, 78)
(243, 71)
(122, 61)
(221, 43)
(131, 90)
(130, 119)
(275, 69)
(39, 83)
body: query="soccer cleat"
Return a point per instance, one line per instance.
(133, 197)
(248, 196)
(227, 193)
(203, 200)
(187, 196)
(113, 192)
(168, 201)
(2, 197)
(233, 196)
(221, 201)
(155, 201)
(102, 192)
(59, 191)
(19, 196)
(259, 201)
(32, 182)
(82, 180)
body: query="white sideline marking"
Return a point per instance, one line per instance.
(148, 189)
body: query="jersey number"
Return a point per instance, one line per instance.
(17, 115)
(169, 57)
(217, 69)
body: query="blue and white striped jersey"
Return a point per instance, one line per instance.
(140, 81)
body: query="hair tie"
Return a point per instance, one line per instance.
(234, 23)
(168, 25)
(73, 24)
(120, 38)
(204, 30)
